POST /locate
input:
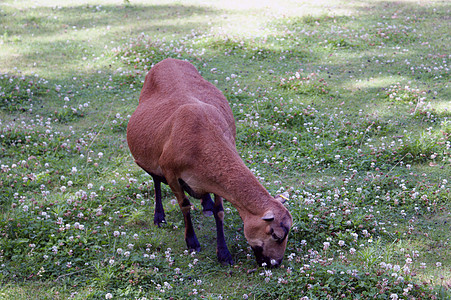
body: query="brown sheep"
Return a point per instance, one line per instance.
(183, 134)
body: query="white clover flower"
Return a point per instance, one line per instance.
(406, 269)
(108, 296)
(116, 233)
(119, 250)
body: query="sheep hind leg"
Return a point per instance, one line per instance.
(159, 216)
(223, 253)
(207, 205)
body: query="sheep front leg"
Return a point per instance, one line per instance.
(185, 207)
(190, 235)
(222, 251)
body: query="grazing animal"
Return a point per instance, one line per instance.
(183, 134)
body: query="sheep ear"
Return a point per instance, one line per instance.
(281, 198)
(269, 216)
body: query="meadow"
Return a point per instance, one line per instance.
(342, 106)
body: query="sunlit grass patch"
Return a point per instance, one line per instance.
(305, 84)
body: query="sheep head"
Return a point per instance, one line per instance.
(267, 234)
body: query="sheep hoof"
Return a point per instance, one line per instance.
(195, 249)
(193, 244)
(159, 219)
(224, 257)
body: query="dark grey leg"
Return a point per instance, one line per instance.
(190, 236)
(159, 216)
(222, 251)
(208, 205)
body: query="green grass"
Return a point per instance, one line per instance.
(345, 105)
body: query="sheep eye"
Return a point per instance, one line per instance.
(274, 236)
(278, 239)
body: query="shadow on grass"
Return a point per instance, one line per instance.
(63, 38)
(48, 21)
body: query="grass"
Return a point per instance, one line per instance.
(343, 105)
